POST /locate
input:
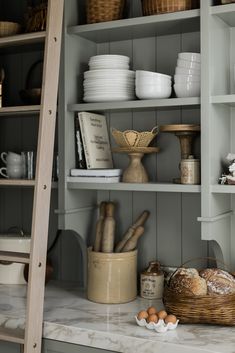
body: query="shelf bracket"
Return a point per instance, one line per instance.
(216, 218)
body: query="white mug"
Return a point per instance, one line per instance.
(11, 158)
(12, 171)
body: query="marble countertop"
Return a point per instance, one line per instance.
(70, 317)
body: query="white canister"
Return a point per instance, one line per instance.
(190, 171)
(152, 282)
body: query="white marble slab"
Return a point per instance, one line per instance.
(69, 317)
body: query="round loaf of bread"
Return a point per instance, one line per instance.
(187, 281)
(218, 281)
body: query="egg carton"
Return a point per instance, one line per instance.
(159, 327)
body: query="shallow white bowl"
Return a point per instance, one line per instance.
(191, 89)
(153, 91)
(107, 98)
(186, 78)
(188, 64)
(150, 75)
(114, 66)
(184, 71)
(109, 57)
(190, 57)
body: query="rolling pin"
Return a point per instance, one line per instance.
(99, 227)
(131, 244)
(109, 229)
(139, 222)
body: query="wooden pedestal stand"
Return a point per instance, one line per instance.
(186, 135)
(135, 172)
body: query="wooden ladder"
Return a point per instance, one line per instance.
(30, 338)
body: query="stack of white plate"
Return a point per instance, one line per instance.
(188, 75)
(109, 79)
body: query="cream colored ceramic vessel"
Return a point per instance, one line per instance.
(112, 278)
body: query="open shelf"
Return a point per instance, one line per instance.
(23, 39)
(148, 187)
(224, 99)
(20, 110)
(223, 189)
(16, 182)
(226, 13)
(140, 27)
(135, 105)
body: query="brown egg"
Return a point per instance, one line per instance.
(142, 315)
(151, 310)
(171, 318)
(152, 318)
(162, 314)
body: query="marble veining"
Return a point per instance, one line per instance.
(70, 317)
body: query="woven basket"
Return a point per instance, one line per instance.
(217, 309)
(103, 10)
(132, 138)
(9, 28)
(227, 1)
(155, 7)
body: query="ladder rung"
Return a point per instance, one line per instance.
(18, 257)
(13, 335)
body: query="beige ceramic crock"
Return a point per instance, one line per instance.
(112, 278)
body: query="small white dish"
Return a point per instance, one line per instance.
(188, 64)
(186, 78)
(185, 71)
(190, 57)
(190, 89)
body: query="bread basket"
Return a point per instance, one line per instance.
(216, 309)
(103, 10)
(132, 138)
(155, 7)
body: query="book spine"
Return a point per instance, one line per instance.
(79, 153)
(87, 155)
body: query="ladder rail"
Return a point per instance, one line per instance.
(41, 203)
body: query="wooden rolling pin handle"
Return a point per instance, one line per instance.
(109, 229)
(141, 219)
(131, 244)
(110, 209)
(99, 227)
(126, 237)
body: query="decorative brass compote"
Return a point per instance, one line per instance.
(186, 134)
(135, 172)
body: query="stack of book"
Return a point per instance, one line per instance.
(93, 152)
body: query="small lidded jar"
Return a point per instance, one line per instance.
(152, 281)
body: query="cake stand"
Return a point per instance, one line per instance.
(135, 172)
(186, 134)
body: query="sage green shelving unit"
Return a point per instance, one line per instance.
(183, 216)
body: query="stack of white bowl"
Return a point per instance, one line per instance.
(152, 85)
(109, 79)
(188, 75)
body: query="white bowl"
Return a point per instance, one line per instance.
(151, 76)
(184, 71)
(190, 57)
(186, 78)
(109, 73)
(109, 57)
(188, 64)
(153, 91)
(191, 89)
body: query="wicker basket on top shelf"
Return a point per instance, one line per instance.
(155, 7)
(215, 309)
(103, 10)
(9, 28)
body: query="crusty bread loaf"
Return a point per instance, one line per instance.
(187, 281)
(218, 281)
